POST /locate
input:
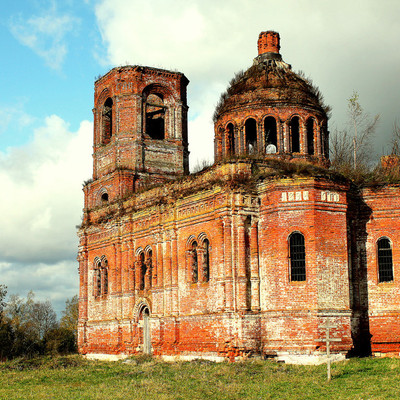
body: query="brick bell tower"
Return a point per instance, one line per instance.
(140, 131)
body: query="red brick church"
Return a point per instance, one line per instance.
(250, 257)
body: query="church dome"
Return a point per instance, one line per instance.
(270, 105)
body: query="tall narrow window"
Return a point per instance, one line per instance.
(149, 267)
(230, 140)
(310, 136)
(271, 142)
(385, 263)
(295, 134)
(98, 280)
(105, 276)
(297, 257)
(155, 116)
(107, 121)
(206, 260)
(250, 128)
(142, 266)
(195, 264)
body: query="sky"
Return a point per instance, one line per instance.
(53, 50)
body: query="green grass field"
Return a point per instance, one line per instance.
(73, 377)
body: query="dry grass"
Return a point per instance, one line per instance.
(144, 378)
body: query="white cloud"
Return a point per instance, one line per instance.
(42, 196)
(46, 35)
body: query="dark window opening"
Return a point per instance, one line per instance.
(155, 117)
(297, 257)
(385, 262)
(105, 281)
(231, 140)
(98, 280)
(295, 134)
(251, 136)
(206, 260)
(149, 265)
(142, 266)
(310, 136)
(101, 277)
(107, 121)
(104, 197)
(195, 265)
(271, 141)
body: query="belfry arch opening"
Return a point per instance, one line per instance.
(250, 128)
(310, 126)
(271, 142)
(107, 121)
(295, 134)
(230, 140)
(155, 116)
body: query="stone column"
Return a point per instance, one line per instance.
(302, 136)
(286, 136)
(317, 140)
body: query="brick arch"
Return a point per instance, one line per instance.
(156, 88)
(140, 304)
(190, 241)
(103, 96)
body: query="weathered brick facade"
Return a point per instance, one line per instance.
(251, 256)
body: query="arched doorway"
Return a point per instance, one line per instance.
(144, 318)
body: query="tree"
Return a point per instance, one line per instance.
(350, 147)
(3, 293)
(69, 319)
(363, 128)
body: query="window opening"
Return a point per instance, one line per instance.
(195, 265)
(149, 268)
(385, 262)
(155, 117)
(206, 260)
(271, 142)
(142, 266)
(251, 136)
(231, 140)
(297, 257)
(98, 280)
(295, 134)
(105, 277)
(104, 197)
(107, 120)
(310, 136)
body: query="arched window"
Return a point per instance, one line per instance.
(104, 197)
(206, 260)
(107, 121)
(149, 269)
(385, 262)
(250, 128)
(310, 136)
(230, 140)
(100, 277)
(155, 116)
(295, 134)
(297, 254)
(271, 142)
(98, 280)
(194, 262)
(104, 271)
(142, 271)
